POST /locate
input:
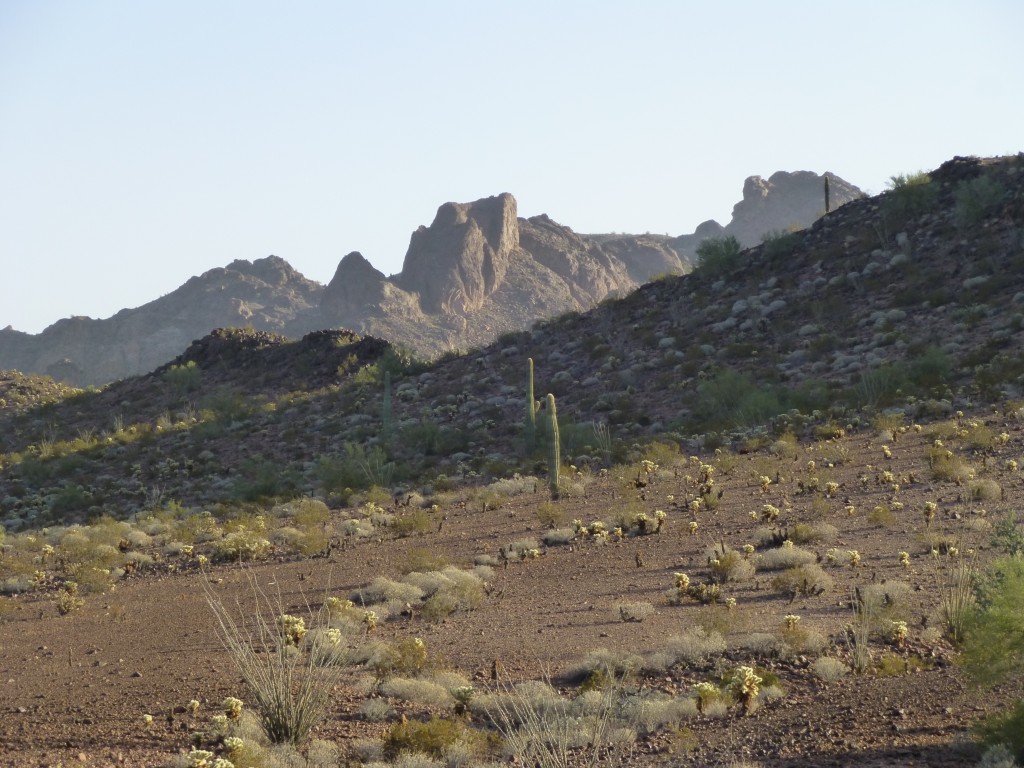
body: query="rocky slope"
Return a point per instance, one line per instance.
(476, 272)
(910, 300)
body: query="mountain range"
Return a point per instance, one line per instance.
(476, 272)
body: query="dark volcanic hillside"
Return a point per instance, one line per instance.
(907, 294)
(477, 271)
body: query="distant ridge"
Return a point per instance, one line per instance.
(476, 272)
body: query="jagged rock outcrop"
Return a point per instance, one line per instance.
(356, 286)
(460, 259)
(781, 202)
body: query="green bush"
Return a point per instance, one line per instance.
(993, 646)
(910, 195)
(717, 256)
(779, 244)
(184, 378)
(431, 738)
(977, 199)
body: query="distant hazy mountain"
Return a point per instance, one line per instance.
(476, 272)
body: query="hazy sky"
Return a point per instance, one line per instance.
(143, 142)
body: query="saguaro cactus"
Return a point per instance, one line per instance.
(531, 412)
(385, 408)
(554, 449)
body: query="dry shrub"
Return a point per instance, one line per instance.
(693, 647)
(808, 579)
(785, 557)
(728, 565)
(829, 669)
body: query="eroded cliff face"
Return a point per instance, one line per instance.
(475, 272)
(461, 259)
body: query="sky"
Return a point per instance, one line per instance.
(144, 142)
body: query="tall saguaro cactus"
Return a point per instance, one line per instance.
(531, 412)
(385, 408)
(554, 449)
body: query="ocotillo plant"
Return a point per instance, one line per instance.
(531, 412)
(554, 449)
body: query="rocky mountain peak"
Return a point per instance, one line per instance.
(462, 257)
(356, 284)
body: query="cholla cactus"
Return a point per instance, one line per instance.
(337, 605)
(854, 558)
(1011, 465)
(232, 707)
(371, 620)
(578, 526)
(831, 488)
(597, 528)
(640, 520)
(199, 758)
(293, 628)
(693, 526)
(748, 550)
(186, 551)
(462, 695)
(193, 707)
(930, 508)
(233, 744)
(695, 506)
(533, 554)
(1004, 438)
(618, 533)
(811, 465)
(832, 556)
(770, 513)
(730, 602)
(764, 481)
(706, 693)
(332, 636)
(746, 684)
(850, 510)
(905, 559)
(886, 452)
(888, 478)
(791, 620)
(147, 719)
(788, 544)
(659, 519)
(682, 581)
(899, 632)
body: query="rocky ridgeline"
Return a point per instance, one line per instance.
(903, 293)
(476, 272)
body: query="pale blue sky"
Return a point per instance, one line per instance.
(145, 142)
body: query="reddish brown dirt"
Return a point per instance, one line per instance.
(74, 688)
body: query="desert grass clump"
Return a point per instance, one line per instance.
(728, 565)
(288, 689)
(691, 648)
(594, 729)
(829, 669)
(807, 579)
(787, 556)
(635, 612)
